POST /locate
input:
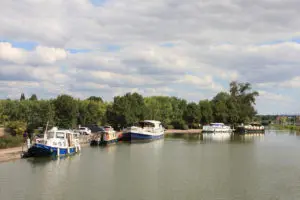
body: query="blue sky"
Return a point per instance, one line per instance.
(190, 49)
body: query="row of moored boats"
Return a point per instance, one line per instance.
(61, 142)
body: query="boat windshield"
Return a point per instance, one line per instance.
(60, 135)
(50, 135)
(146, 124)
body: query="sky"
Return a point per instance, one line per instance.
(191, 49)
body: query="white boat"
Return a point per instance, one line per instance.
(107, 135)
(144, 130)
(216, 128)
(55, 143)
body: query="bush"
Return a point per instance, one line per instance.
(10, 141)
(170, 126)
(185, 127)
(195, 126)
(179, 124)
(17, 127)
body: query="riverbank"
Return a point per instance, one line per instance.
(10, 154)
(286, 127)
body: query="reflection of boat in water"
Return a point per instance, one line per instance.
(144, 130)
(217, 136)
(55, 143)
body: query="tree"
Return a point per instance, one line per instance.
(94, 98)
(33, 97)
(206, 111)
(22, 97)
(159, 108)
(192, 115)
(126, 110)
(220, 109)
(66, 111)
(243, 100)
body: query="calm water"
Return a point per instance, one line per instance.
(241, 168)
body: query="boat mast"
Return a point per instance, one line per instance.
(45, 133)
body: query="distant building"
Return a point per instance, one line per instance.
(297, 121)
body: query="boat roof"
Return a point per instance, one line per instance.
(217, 123)
(55, 129)
(151, 121)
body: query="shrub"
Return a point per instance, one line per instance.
(10, 141)
(179, 124)
(185, 127)
(17, 127)
(170, 126)
(195, 125)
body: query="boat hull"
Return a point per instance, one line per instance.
(108, 142)
(243, 131)
(41, 150)
(130, 136)
(103, 143)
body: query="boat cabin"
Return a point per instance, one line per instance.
(217, 124)
(60, 138)
(149, 124)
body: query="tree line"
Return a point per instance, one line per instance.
(232, 107)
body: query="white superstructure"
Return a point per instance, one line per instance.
(147, 129)
(216, 128)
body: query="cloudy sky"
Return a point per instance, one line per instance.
(191, 49)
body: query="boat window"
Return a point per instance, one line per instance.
(60, 135)
(50, 135)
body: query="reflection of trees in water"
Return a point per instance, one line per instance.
(186, 136)
(221, 138)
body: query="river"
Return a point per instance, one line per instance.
(177, 167)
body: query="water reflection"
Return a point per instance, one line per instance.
(216, 138)
(223, 137)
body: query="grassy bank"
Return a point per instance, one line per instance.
(287, 127)
(10, 141)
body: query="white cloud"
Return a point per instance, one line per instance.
(41, 54)
(205, 82)
(8, 53)
(209, 43)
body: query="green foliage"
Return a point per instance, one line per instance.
(206, 111)
(10, 141)
(236, 106)
(192, 114)
(66, 111)
(33, 97)
(170, 126)
(17, 127)
(94, 98)
(220, 108)
(91, 112)
(22, 98)
(179, 124)
(126, 110)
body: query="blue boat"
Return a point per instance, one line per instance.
(144, 130)
(55, 143)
